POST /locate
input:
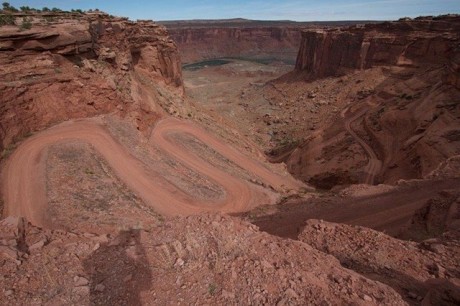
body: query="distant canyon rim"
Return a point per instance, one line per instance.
(229, 161)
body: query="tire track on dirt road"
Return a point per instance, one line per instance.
(374, 164)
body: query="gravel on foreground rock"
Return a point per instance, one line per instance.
(427, 272)
(212, 259)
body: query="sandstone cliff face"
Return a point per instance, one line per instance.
(70, 68)
(405, 43)
(195, 44)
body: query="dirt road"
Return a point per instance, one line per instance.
(374, 164)
(387, 212)
(24, 183)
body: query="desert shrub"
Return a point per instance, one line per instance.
(49, 19)
(6, 19)
(26, 24)
(78, 11)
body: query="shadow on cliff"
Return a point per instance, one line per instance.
(119, 271)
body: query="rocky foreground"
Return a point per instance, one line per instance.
(221, 260)
(427, 271)
(205, 259)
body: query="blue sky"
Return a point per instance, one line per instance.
(258, 9)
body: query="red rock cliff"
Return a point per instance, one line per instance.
(406, 82)
(253, 39)
(405, 43)
(65, 68)
(195, 44)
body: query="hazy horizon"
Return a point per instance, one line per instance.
(295, 10)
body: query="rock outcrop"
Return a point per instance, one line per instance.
(427, 272)
(407, 43)
(210, 259)
(438, 215)
(67, 67)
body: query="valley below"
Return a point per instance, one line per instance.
(229, 162)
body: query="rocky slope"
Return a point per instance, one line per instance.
(70, 67)
(383, 108)
(204, 259)
(425, 272)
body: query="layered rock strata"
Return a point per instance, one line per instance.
(63, 68)
(331, 52)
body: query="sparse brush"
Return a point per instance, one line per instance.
(7, 19)
(212, 289)
(26, 24)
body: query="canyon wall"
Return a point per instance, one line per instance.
(199, 40)
(332, 52)
(72, 66)
(276, 43)
(402, 77)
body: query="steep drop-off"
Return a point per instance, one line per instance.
(65, 68)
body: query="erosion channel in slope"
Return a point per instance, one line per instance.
(24, 186)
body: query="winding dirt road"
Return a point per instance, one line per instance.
(374, 164)
(389, 211)
(24, 183)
